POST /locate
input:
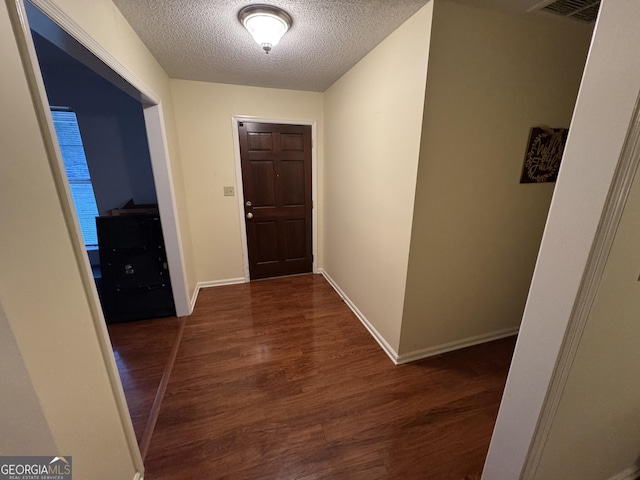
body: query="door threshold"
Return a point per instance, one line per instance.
(281, 276)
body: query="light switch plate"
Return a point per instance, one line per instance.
(229, 191)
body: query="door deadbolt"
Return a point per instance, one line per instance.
(248, 203)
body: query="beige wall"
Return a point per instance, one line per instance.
(24, 427)
(373, 117)
(609, 90)
(595, 434)
(595, 431)
(44, 297)
(476, 230)
(203, 117)
(106, 25)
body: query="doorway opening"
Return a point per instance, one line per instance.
(150, 170)
(122, 129)
(103, 141)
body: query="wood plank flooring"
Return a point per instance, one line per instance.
(141, 349)
(277, 379)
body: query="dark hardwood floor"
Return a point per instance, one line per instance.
(277, 379)
(142, 349)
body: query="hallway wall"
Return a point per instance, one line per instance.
(373, 117)
(43, 295)
(476, 229)
(24, 426)
(203, 114)
(609, 90)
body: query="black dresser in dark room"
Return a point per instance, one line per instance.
(135, 274)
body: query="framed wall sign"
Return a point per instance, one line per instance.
(544, 152)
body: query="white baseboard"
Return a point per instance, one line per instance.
(372, 330)
(456, 345)
(213, 283)
(631, 473)
(424, 352)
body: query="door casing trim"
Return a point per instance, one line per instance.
(235, 120)
(20, 23)
(156, 136)
(615, 204)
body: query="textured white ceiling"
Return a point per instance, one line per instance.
(203, 39)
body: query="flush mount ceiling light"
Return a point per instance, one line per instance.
(265, 23)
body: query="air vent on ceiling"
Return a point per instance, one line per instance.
(585, 10)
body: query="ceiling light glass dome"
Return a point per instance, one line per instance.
(266, 24)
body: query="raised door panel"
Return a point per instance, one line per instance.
(260, 142)
(292, 181)
(294, 239)
(292, 142)
(266, 250)
(263, 183)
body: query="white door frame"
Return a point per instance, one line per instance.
(162, 177)
(235, 120)
(154, 124)
(595, 176)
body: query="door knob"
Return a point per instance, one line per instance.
(249, 215)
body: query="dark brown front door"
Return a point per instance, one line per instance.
(276, 178)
